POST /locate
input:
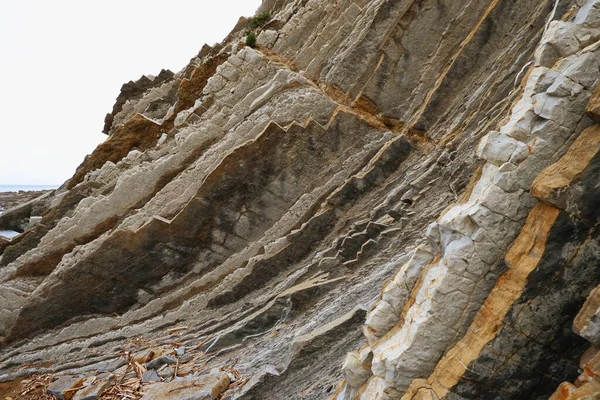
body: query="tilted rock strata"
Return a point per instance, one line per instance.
(132, 94)
(250, 207)
(570, 188)
(437, 311)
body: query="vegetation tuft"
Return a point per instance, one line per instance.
(260, 20)
(251, 39)
(256, 24)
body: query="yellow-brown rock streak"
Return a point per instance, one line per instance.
(593, 107)
(569, 168)
(522, 259)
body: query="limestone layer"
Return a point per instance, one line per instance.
(379, 200)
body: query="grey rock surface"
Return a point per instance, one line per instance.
(381, 200)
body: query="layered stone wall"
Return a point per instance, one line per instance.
(233, 234)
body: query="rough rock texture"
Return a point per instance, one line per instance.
(10, 200)
(245, 213)
(17, 208)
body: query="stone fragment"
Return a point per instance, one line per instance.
(160, 361)
(166, 373)
(65, 387)
(207, 387)
(93, 391)
(145, 356)
(161, 140)
(150, 376)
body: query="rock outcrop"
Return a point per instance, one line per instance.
(380, 200)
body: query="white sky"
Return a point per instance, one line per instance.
(62, 64)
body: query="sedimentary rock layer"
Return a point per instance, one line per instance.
(236, 228)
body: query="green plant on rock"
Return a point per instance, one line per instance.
(256, 24)
(251, 39)
(260, 20)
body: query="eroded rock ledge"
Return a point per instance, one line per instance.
(231, 237)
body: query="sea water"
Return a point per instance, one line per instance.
(26, 188)
(9, 234)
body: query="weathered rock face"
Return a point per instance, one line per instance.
(382, 200)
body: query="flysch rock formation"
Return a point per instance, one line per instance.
(380, 200)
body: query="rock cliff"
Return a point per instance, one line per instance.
(379, 200)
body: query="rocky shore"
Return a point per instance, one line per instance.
(10, 200)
